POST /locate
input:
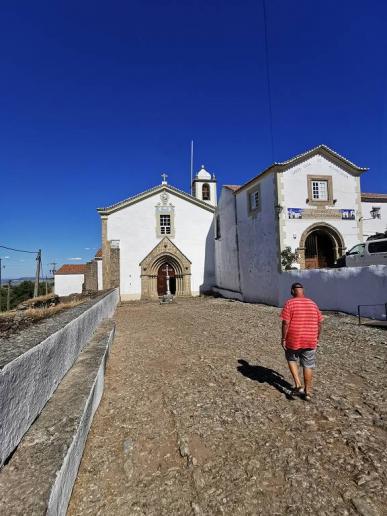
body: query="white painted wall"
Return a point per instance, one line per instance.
(66, 284)
(226, 251)
(346, 189)
(258, 244)
(370, 225)
(341, 289)
(99, 275)
(135, 228)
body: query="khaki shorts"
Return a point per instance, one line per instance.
(307, 357)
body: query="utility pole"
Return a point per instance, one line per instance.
(53, 270)
(9, 295)
(37, 274)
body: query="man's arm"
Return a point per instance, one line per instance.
(319, 330)
(285, 328)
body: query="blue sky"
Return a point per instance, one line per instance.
(98, 98)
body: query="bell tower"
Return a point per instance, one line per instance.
(204, 187)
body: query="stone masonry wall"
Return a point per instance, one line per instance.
(33, 364)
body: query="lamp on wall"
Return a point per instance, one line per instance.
(278, 209)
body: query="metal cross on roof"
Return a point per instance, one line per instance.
(164, 176)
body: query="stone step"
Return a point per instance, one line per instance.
(39, 477)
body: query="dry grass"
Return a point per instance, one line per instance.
(42, 313)
(13, 321)
(42, 299)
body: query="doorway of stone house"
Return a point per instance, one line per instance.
(319, 250)
(162, 279)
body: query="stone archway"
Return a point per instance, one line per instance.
(323, 233)
(165, 253)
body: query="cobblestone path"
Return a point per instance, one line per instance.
(196, 418)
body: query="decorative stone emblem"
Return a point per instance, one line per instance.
(164, 198)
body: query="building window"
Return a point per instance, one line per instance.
(165, 224)
(375, 212)
(206, 192)
(254, 200)
(320, 190)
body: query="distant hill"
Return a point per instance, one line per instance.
(16, 281)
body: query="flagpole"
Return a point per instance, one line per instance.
(192, 149)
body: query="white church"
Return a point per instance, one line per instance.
(311, 203)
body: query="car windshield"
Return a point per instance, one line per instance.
(358, 249)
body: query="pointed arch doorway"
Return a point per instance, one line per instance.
(153, 271)
(164, 270)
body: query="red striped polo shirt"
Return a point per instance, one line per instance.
(303, 317)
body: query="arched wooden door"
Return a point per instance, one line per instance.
(162, 279)
(319, 250)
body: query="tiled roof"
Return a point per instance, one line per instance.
(234, 188)
(130, 200)
(366, 196)
(72, 268)
(98, 254)
(322, 147)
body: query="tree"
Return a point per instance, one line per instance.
(288, 258)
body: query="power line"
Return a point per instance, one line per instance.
(268, 81)
(18, 250)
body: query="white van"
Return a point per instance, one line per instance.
(372, 252)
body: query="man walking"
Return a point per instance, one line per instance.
(301, 328)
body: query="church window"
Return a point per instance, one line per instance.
(165, 224)
(320, 190)
(254, 200)
(206, 192)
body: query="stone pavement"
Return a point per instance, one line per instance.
(196, 418)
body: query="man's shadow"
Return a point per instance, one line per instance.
(265, 375)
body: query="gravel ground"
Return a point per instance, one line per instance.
(196, 418)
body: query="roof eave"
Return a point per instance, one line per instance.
(152, 191)
(282, 166)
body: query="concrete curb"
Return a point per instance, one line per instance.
(40, 475)
(28, 381)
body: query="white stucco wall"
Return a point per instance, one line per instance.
(226, 251)
(370, 225)
(66, 284)
(258, 244)
(135, 228)
(99, 275)
(342, 289)
(346, 191)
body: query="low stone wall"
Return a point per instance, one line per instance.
(342, 289)
(41, 473)
(34, 362)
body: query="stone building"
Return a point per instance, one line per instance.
(158, 232)
(311, 203)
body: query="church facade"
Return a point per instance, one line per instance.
(158, 233)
